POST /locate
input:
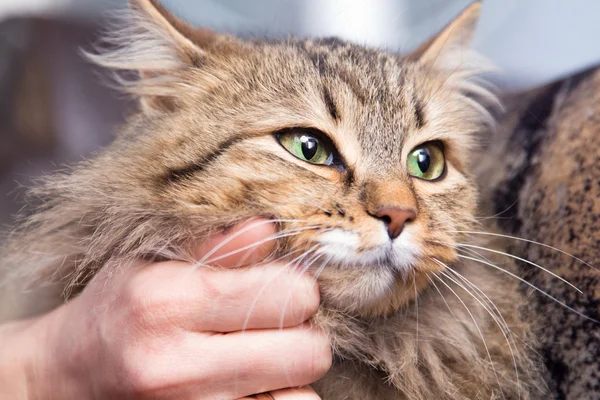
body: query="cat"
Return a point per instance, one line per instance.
(361, 156)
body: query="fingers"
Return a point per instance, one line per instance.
(168, 329)
(303, 393)
(271, 296)
(242, 363)
(223, 300)
(244, 244)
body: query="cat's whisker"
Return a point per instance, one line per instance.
(496, 316)
(442, 296)
(476, 326)
(304, 269)
(501, 212)
(449, 224)
(482, 258)
(285, 256)
(253, 305)
(521, 259)
(242, 231)
(465, 246)
(311, 260)
(314, 204)
(266, 284)
(295, 262)
(518, 278)
(321, 268)
(436, 287)
(416, 302)
(506, 332)
(532, 242)
(473, 253)
(285, 305)
(530, 285)
(278, 235)
(483, 296)
(282, 234)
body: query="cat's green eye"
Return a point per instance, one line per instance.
(427, 161)
(307, 146)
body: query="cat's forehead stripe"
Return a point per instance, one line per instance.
(319, 63)
(331, 107)
(377, 80)
(320, 57)
(419, 113)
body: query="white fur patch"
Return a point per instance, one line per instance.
(340, 237)
(342, 247)
(405, 251)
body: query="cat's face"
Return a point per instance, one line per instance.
(361, 155)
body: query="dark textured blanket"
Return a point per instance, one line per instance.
(540, 176)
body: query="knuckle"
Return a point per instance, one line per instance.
(306, 300)
(133, 377)
(137, 301)
(208, 286)
(313, 296)
(146, 308)
(323, 356)
(137, 374)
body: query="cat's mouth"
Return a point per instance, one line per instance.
(364, 272)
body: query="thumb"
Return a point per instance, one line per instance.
(244, 244)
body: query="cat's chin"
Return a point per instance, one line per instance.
(364, 290)
(368, 282)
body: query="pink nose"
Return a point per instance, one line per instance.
(395, 218)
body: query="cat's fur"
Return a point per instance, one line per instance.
(201, 156)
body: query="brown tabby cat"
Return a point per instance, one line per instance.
(361, 156)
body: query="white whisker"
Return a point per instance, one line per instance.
(496, 316)
(529, 241)
(240, 232)
(477, 327)
(442, 296)
(278, 235)
(416, 302)
(530, 285)
(523, 260)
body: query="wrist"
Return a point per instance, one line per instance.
(32, 365)
(16, 361)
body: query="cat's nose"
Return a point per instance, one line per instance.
(395, 218)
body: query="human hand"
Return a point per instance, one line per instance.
(168, 331)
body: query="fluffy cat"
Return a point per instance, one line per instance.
(361, 156)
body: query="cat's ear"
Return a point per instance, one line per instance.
(170, 35)
(464, 71)
(159, 48)
(453, 38)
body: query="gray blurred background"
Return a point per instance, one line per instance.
(54, 108)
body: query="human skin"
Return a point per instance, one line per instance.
(166, 330)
